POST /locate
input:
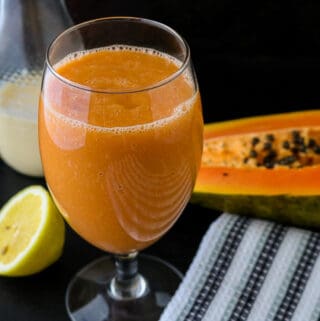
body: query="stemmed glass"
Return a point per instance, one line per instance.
(120, 127)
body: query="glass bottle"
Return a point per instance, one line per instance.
(27, 27)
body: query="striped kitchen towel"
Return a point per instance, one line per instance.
(254, 270)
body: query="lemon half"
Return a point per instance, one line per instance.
(32, 232)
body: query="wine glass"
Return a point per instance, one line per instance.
(120, 131)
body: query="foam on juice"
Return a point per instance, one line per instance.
(179, 111)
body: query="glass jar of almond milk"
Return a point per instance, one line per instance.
(26, 28)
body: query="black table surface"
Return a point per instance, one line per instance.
(250, 59)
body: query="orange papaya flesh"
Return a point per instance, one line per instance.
(266, 166)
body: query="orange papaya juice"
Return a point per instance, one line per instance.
(121, 141)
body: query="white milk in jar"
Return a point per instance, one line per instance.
(19, 98)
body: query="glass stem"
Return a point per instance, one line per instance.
(127, 283)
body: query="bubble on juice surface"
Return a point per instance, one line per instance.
(178, 112)
(124, 83)
(117, 47)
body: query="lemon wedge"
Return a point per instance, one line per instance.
(32, 232)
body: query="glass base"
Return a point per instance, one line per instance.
(87, 297)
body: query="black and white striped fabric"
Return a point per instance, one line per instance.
(251, 270)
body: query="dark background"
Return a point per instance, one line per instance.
(250, 57)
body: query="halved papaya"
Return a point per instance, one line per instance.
(266, 166)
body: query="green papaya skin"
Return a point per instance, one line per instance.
(300, 211)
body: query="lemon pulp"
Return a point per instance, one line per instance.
(31, 232)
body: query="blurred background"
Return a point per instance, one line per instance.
(251, 57)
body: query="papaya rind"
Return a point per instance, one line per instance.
(301, 211)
